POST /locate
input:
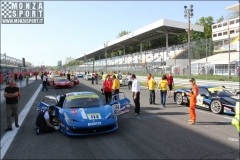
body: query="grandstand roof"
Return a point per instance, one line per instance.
(220, 58)
(234, 8)
(150, 32)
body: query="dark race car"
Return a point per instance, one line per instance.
(85, 113)
(216, 99)
(61, 83)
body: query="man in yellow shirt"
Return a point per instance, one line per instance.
(151, 87)
(115, 87)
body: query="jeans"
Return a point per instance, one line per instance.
(108, 97)
(151, 96)
(129, 85)
(20, 81)
(44, 85)
(163, 95)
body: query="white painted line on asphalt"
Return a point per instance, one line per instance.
(9, 136)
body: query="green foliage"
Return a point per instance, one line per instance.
(232, 15)
(122, 33)
(221, 19)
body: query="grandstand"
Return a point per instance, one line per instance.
(142, 61)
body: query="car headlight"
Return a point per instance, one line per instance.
(111, 115)
(69, 120)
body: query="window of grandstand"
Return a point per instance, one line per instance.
(225, 24)
(231, 22)
(237, 20)
(214, 26)
(232, 31)
(219, 25)
(220, 34)
(225, 33)
(214, 35)
(237, 30)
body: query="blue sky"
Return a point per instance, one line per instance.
(73, 28)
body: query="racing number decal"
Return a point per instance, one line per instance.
(94, 116)
(199, 100)
(116, 106)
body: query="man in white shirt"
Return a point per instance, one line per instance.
(136, 94)
(44, 83)
(129, 81)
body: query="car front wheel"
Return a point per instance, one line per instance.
(179, 98)
(216, 107)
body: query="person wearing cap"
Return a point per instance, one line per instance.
(107, 89)
(193, 100)
(44, 121)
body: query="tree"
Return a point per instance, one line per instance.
(221, 19)
(69, 59)
(207, 23)
(232, 15)
(123, 33)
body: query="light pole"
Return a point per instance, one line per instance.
(188, 13)
(229, 70)
(105, 46)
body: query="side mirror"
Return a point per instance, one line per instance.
(238, 92)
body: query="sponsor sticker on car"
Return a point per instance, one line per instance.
(94, 124)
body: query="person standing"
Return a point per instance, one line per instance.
(193, 100)
(16, 77)
(148, 78)
(44, 82)
(27, 79)
(163, 87)
(136, 94)
(107, 89)
(115, 87)
(129, 81)
(20, 79)
(96, 77)
(68, 76)
(93, 77)
(151, 87)
(11, 95)
(170, 84)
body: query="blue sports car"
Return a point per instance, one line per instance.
(216, 99)
(84, 113)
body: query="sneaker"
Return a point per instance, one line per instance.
(37, 131)
(136, 114)
(192, 122)
(133, 112)
(8, 129)
(155, 103)
(16, 125)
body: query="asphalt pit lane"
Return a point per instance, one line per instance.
(145, 117)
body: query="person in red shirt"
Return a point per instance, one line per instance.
(170, 84)
(107, 89)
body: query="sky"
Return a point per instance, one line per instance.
(72, 28)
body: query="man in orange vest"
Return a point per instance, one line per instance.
(193, 100)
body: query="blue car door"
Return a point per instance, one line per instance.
(120, 103)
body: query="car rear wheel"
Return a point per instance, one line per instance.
(179, 98)
(216, 107)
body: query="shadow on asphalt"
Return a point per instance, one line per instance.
(212, 123)
(170, 113)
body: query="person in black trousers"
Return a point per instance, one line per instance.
(136, 94)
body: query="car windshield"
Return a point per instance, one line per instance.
(82, 102)
(62, 80)
(220, 92)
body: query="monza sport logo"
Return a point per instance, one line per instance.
(22, 12)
